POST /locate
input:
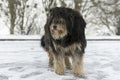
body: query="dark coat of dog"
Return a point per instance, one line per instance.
(65, 36)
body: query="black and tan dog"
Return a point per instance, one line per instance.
(65, 37)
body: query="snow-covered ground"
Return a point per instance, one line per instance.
(26, 60)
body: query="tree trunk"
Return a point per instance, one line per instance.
(118, 27)
(118, 31)
(12, 10)
(11, 27)
(22, 22)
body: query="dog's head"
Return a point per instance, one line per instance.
(58, 25)
(64, 21)
(58, 28)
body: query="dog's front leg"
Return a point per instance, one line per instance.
(59, 64)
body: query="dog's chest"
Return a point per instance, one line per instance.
(73, 48)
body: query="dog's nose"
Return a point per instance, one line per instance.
(54, 26)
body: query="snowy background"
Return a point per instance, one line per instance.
(27, 17)
(22, 57)
(26, 60)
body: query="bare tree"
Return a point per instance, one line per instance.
(107, 13)
(12, 10)
(117, 17)
(47, 4)
(20, 15)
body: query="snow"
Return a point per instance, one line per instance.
(19, 37)
(26, 60)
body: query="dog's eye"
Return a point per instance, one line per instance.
(60, 21)
(56, 21)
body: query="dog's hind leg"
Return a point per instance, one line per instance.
(78, 65)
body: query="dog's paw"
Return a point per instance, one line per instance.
(79, 74)
(59, 71)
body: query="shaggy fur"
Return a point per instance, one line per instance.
(65, 36)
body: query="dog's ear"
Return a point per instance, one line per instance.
(79, 25)
(80, 21)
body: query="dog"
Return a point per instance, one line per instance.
(64, 38)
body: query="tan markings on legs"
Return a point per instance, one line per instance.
(59, 64)
(78, 66)
(67, 62)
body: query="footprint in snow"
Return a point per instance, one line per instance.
(31, 74)
(17, 69)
